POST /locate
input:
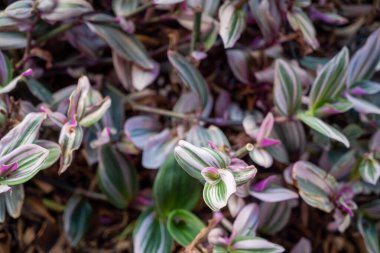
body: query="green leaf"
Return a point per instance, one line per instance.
(125, 45)
(54, 152)
(369, 169)
(76, 219)
(298, 20)
(232, 23)
(216, 194)
(246, 244)
(330, 80)
(370, 235)
(39, 91)
(323, 128)
(150, 234)
(363, 63)
(315, 186)
(117, 178)
(14, 200)
(12, 40)
(24, 133)
(174, 188)
(184, 226)
(287, 89)
(190, 76)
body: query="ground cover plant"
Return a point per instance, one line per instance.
(155, 126)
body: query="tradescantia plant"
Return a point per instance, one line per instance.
(189, 126)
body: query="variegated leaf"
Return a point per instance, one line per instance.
(194, 159)
(232, 23)
(125, 45)
(274, 194)
(274, 216)
(94, 113)
(20, 9)
(117, 177)
(54, 152)
(190, 76)
(217, 193)
(70, 140)
(5, 69)
(12, 84)
(247, 220)
(150, 234)
(184, 226)
(330, 80)
(323, 128)
(287, 90)
(63, 9)
(298, 20)
(261, 157)
(24, 133)
(254, 244)
(364, 61)
(315, 186)
(13, 200)
(369, 169)
(28, 160)
(12, 40)
(370, 235)
(124, 7)
(140, 128)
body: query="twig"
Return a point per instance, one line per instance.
(69, 188)
(211, 224)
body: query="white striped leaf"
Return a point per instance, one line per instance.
(217, 193)
(298, 20)
(158, 148)
(167, 1)
(184, 226)
(232, 23)
(70, 140)
(12, 40)
(194, 159)
(124, 7)
(364, 61)
(54, 152)
(254, 244)
(28, 160)
(150, 234)
(330, 80)
(76, 219)
(12, 84)
(78, 99)
(274, 216)
(362, 105)
(323, 128)
(5, 69)
(287, 90)
(117, 178)
(20, 9)
(369, 169)
(64, 9)
(367, 229)
(190, 76)
(140, 128)
(315, 186)
(274, 194)
(14, 199)
(261, 157)
(247, 220)
(24, 133)
(94, 113)
(125, 45)
(171, 188)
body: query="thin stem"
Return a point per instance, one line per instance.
(243, 151)
(195, 36)
(55, 32)
(69, 188)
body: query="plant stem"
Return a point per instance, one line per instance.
(243, 151)
(55, 32)
(195, 36)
